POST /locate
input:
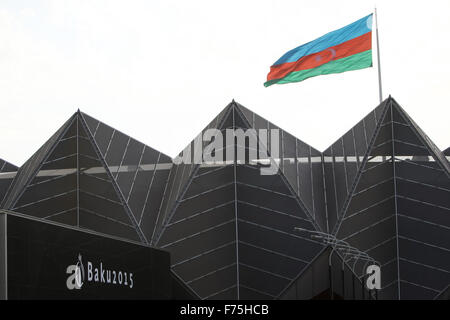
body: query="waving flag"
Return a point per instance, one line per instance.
(346, 49)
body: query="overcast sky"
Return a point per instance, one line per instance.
(159, 71)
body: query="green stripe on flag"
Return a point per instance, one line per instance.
(355, 62)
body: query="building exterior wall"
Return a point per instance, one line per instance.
(383, 188)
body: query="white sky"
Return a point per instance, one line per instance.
(159, 71)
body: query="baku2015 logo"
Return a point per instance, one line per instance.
(79, 275)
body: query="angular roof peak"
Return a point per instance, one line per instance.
(447, 151)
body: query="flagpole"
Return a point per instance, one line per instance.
(380, 87)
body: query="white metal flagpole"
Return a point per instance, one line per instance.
(378, 56)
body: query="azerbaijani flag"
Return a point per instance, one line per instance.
(346, 49)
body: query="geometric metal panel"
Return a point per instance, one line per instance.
(230, 231)
(398, 212)
(69, 180)
(139, 173)
(7, 173)
(383, 187)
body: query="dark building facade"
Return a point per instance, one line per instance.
(38, 259)
(383, 188)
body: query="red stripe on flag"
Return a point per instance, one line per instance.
(346, 49)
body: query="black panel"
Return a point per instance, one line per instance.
(251, 175)
(92, 123)
(424, 254)
(206, 263)
(270, 261)
(424, 276)
(413, 292)
(213, 283)
(424, 193)
(210, 179)
(116, 151)
(423, 211)
(366, 217)
(374, 235)
(415, 171)
(103, 137)
(40, 253)
(92, 221)
(203, 242)
(424, 232)
(147, 218)
(261, 281)
(178, 230)
(282, 243)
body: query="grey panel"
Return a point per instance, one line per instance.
(389, 275)
(410, 291)
(213, 283)
(48, 189)
(206, 263)
(424, 276)
(415, 171)
(423, 211)
(67, 217)
(203, 242)
(178, 230)
(374, 235)
(269, 200)
(319, 193)
(304, 175)
(204, 202)
(424, 193)
(110, 208)
(366, 217)
(228, 294)
(103, 137)
(268, 260)
(247, 293)
(50, 206)
(406, 149)
(252, 176)
(280, 221)
(248, 115)
(209, 179)
(380, 172)
(28, 170)
(129, 165)
(424, 254)
(330, 195)
(261, 281)
(92, 221)
(290, 160)
(92, 123)
(148, 217)
(273, 240)
(116, 151)
(422, 231)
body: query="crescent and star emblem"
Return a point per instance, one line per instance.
(333, 55)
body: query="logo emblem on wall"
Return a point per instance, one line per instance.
(374, 277)
(77, 274)
(96, 273)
